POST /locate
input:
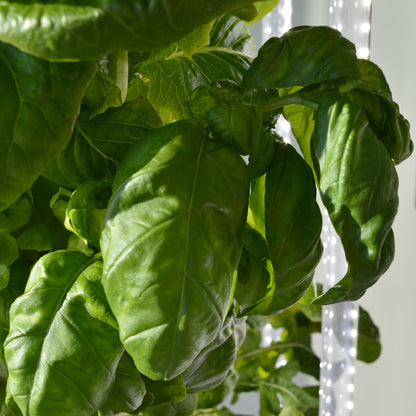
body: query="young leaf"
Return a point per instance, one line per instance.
(369, 346)
(175, 75)
(358, 184)
(94, 29)
(86, 210)
(293, 226)
(173, 202)
(63, 347)
(39, 101)
(303, 56)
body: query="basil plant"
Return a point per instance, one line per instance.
(152, 221)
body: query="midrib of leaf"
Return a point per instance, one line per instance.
(90, 142)
(188, 226)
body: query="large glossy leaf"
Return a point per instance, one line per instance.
(175, 74)
(39, 102)
(358, 184)
(171, 241)
(98, 145)
(90, 29)
(63, 347)
(301, 57)
(293, 226)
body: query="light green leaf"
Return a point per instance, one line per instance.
(39, 102)
(86, 210)
(85, 30)
(63, 347)
(358, 184)
(173, 202)
(175, 75)
(303, 56)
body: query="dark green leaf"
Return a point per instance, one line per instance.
(85, 30)
(303, 56)
(128, 390)
(98, 145)
(39, 101)
(173, 202)
(43, 232)
(358, 184)
(63, 347)
(185, 407)
(259, 161)
(18, 213)
(9, 251)
(86, 210)
(374, 96)
(255, 278)
(211, 366)
(369, 346)
(212, 398)
(293, 226)
(166, 390)
(175, 75)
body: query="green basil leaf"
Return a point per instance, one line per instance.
(173, 202)
(18, 213)
(293, 226)
(212, 365)
(86, 210)
(43, 232)
(303, 56)
(185, 407)
(98, 145)
(215, 412)
(259, 161)
(128, 390)
(18, 275)
(60, 327)
(255, 278)
(212, 398)
(39, 101)
(368, 345)
(261, 9)
(9, 250)
(358, 185)
(175, 75)
(92, 29)
(256, 213)
(374, 96)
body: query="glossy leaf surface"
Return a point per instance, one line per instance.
(86, 210)
(171, 242)
(92, 29)
(293, 226)
(358, 184)
(63, 347)
(303, 56)
(39, 101)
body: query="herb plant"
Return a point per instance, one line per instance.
(152, 221)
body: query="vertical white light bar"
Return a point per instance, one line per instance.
(340, 322)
